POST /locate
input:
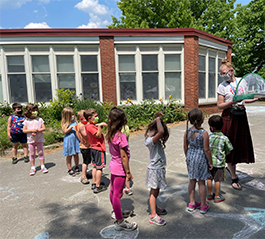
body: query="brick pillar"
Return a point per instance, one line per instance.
(107, 58)
(229, 54)
(191, 72)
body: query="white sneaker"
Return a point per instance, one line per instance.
(125, 225)
(125, 214)
(128, 191)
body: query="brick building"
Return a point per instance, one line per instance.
(112, 64)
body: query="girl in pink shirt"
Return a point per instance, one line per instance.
(119, 165)
(33, 127)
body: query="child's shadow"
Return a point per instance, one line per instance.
(22, 159)
(127, 205)
(47, 165)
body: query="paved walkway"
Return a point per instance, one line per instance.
(57, 205)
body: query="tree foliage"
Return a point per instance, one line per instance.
(244, 25)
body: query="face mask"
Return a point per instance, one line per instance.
(83, 121)
(34, 113)
(226, 77)
(96, 120)
(19, 112)
(73, 117)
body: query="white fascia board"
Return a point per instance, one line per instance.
(48, 40)
(212, 44)
(148, 39)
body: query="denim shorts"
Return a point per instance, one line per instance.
(19, 138)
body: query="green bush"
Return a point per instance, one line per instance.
(5, 109)
(4, 141)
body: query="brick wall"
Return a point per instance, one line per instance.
(210, 109)
(107, 57)
(191, 68)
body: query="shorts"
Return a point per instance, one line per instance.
(19, 138)
(98, 158)
(156, 178)
(86, 156)
(217, 174)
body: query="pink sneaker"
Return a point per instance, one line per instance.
(45, 170)
(192, 207)
(32, 172)
(205, 208)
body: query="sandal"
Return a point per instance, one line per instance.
(71, 172)
(84, 180)
(77, 171)
(238, 185)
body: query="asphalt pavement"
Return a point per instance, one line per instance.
(57, 205)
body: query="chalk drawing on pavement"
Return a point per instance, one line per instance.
(8, 193)
(258, 215)
(110, 232)
(257, 184)
(44, 235)
(70, 179)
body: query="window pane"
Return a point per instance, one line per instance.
(201, 63)
(127, 86)
(173, 85)
(211, 85)
(18, 88)
(90, 86)
(149, 62)
(15, 64)
(43, 88)
(1, 90)
(126, 63)
(65, 63)
(40, 64)
(220, 80)
(211, 64)
(172, 62)
(89, 63)
(150, 85)
(201, 85)
(66, 81)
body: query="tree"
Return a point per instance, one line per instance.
(249, 39)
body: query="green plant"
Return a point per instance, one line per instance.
(5, 109)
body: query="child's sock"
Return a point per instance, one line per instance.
(32, 167)
(42, 166)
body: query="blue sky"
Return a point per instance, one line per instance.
(60, 13)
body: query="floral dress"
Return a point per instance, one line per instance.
(197, 162)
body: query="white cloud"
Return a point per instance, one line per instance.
(44, 1)
(37, 25)
(92, 6)
(95, 22)
(35, 11)
(12, 3)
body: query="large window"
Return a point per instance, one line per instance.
(17, 78)
(149, 71)
(211, 78)
(127, 76)
(41, 78)
(1, 89)
(89, 73)
(202, 77)
(65, 72)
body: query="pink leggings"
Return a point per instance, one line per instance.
(32, 151)
(116, 191)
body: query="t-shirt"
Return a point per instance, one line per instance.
(157, 154)
(119, 141)
(225, 89)
(16, 126)
(84, 144)
(95, 143)
(219, 144)
(34, 124)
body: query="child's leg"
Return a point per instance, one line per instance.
(217, 186)
(68, 162)
(210, 186)
(153, 195)
(94, 173)
(40, 152)
(98, 177)
(202, 192)
(116, 194)
(84, 169)
(76, 158)
(14, 150)
(32, 154)
(25, 149)
(191, 189)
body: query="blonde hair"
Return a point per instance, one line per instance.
(226, 63)
(67, 117)
(80, 114)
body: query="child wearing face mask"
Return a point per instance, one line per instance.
(15, 132)
(71, 141)
(33, 127)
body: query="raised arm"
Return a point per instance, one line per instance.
(160, 130)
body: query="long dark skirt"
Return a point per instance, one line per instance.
(236, 128)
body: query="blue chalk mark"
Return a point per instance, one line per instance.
(44, 235)
(258, 216)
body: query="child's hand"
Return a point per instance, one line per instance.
(159, 115)
(34, 134)
(210, 167)
(129, 176)
(102, 124)
(10, 137)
